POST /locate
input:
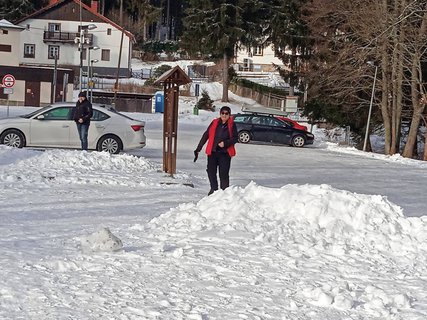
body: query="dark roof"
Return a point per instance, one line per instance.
(175, 75)
(85, 7)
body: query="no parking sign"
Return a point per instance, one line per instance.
(8, 81)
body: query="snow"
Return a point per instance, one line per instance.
(322, 232)
(101, 240)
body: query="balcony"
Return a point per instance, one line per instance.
(65, 37)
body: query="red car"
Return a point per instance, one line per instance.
(293, 123)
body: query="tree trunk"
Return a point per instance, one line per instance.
(385, 90)
(416, 89)
(425, 142)
(144, 29)
(225, 78)
(385, 101)
(397, 76)
(397, 40)
(408, 151)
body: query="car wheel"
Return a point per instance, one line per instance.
(244, 137)
(13, 138)
(298, 141)
(111, 144)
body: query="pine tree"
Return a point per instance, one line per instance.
(217, 27)
(12, 10)
(205, 102)
(292, 42)
(141, 14)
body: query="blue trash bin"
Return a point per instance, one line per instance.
(159, 105)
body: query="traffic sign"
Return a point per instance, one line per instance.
(8, 90)
(8, 81)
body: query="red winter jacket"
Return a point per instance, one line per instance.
(209, 136)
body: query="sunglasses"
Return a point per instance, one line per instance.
(226, 113)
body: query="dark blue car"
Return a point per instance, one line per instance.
(265, 128)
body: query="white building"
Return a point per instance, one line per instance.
(257, 59)
(58, 30)
(32, 86)
(9, 43)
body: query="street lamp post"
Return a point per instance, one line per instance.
(88, 61)
(90, 77)
(371, 63)
(81, 40)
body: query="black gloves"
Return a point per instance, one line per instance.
(196, 155)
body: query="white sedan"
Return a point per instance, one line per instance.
(52, 126)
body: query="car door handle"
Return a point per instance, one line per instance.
(65, 126)
(100, 126)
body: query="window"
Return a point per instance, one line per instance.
(105, 55)
(275, 123)
(99, 116)
(5, 48)
(256, 120)
(109, 31)
(287, 123)
(54, 27)
(278, 52)
(5, 31)
(29, 50)
(242, 119)
(258, 51)
(61, 113)
(52, 52)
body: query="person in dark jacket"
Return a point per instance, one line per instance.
(221, 136)
(82, 113)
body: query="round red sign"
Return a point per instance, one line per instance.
(8, 81)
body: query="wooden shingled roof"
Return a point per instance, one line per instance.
(175, 76)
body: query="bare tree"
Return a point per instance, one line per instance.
(392, 33)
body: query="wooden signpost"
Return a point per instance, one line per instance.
(171, 80)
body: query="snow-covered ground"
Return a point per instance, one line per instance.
(322, 232)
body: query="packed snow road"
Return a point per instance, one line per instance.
(401, 180)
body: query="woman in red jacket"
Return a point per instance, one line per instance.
(221, 136)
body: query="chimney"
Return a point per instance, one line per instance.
(94, 6)
(51, 2)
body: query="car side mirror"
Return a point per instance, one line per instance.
(40, 117)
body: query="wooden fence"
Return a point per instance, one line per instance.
(267, 100)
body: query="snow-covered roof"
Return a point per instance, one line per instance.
(9, 25)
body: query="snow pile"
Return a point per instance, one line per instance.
(80, 167)
(396, 158)
(325, 219)
(300, 245)
(9, 155)
(101, 240)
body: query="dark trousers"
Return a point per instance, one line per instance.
(221, 160)
(83, 129)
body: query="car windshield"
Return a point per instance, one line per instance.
(27, 116)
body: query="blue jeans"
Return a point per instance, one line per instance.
(83, 129)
